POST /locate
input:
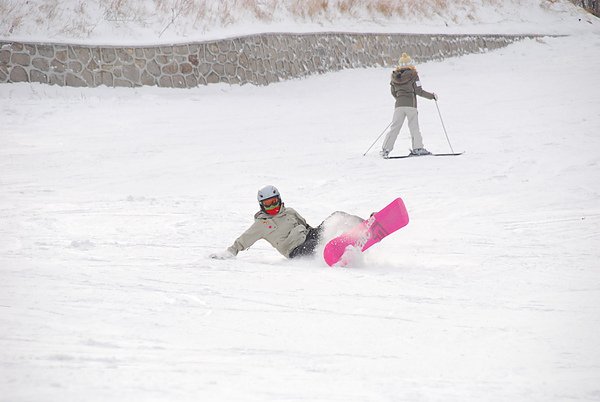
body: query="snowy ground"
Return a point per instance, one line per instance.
(111, 199)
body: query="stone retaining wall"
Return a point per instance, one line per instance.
(256, 59)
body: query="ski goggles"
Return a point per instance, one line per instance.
(270, 202)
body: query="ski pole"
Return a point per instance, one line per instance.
(443, 126)
(377, 139)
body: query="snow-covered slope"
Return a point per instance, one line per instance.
(167, 21)
(111, 200)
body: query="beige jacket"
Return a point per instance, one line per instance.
(284, 231)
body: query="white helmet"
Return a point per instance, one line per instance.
(267, 192)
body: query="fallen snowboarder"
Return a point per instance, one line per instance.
(285, 229)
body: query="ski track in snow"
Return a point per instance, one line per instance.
(112, 198)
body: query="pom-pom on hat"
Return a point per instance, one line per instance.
(405, 61)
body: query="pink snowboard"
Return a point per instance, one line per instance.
(369, 232)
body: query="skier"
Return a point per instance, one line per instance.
(284, 228)
(405, 87)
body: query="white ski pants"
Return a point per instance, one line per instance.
(401, 113)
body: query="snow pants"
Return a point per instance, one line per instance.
(401, 113)
(340, 220)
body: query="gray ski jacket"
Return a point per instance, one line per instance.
(284, 231)
(405, 87)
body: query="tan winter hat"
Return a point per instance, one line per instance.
(405, 61)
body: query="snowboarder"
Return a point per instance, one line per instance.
(284, 228)
(405, 87)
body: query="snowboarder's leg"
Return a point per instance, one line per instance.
(392, 134)
(342, 221)
(413, 125)
(338, 221)
(307, 248)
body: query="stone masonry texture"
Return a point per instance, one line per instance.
(259, 59)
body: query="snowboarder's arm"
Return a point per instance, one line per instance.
(247, 239)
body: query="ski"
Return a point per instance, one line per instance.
(412, 156)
